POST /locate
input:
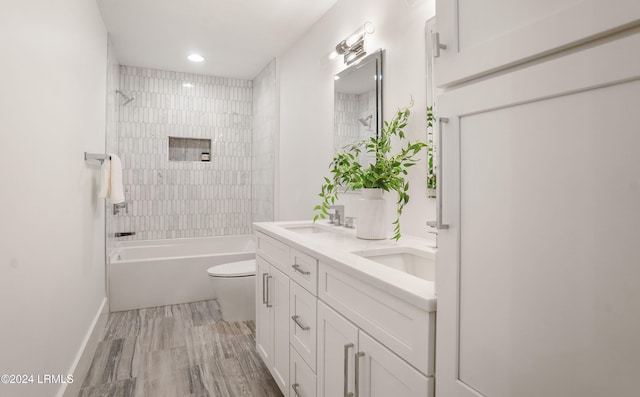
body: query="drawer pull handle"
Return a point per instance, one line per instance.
(267, 302)
(295, 387)
(297, 269)
(358, 355)
(346, 370)
(302, 327)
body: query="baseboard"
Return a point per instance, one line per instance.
(85, 354)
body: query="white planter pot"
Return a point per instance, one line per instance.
(372, 208)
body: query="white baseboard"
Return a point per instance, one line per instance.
(83, 359)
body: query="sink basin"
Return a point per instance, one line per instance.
(310, 228)
(416, 262)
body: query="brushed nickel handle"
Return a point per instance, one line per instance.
(437, 46)
(358, 355)
(297, 269)
(438, 222)
(264, 287)
(295, 387)
(268, 278)
(295, 320)
(346, 370)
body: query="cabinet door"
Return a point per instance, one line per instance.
(381, 373)
(303, 380)
(264, 327)
(279, 291)
(303, 328)
(485, 36)
(538, 271)
(337, 344)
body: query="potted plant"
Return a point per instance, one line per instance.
(387, 173)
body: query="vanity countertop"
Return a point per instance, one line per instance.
(338, 248)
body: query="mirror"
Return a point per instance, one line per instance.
(358, 104)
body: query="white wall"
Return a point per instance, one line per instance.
(52, 109)
(306, 109)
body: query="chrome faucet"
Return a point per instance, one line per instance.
(338, 214)
(435, 231)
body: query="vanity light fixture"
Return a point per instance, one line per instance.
(195, 58)
(351, 48)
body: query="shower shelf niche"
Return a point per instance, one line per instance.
(189, 149)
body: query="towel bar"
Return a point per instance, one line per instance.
(95, 156)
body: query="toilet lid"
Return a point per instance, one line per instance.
(234, 269)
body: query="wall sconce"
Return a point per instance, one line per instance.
(352, 48)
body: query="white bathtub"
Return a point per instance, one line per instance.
(165, 272)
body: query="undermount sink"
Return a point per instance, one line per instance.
(310, 228)
(418, 263)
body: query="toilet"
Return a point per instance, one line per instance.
(234, 286)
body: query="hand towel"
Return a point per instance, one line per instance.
(105, 179)
(116, 189)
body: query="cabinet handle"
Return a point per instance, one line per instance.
(267, 302)
(437, 46)
(358, 355)
(438, 222)
(297, 268)
(295, 387)
(302, 327)
(264, 287)
(346, 369)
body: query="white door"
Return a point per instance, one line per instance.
(380, 373)
(337, 345)
(264, 327)
(485, 36)
(279, 299)
(538, 273)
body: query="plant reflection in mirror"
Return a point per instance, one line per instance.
(387, 173)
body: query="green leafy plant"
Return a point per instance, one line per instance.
(387, 172)
(431, 174)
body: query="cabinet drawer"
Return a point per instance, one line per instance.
(274, 251)
(304, 270)
(303, 323)
(401, 327)
(303, 380)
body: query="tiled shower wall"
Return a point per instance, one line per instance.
(171, 199)
(113, 102)
(263, 148)
(348, 109)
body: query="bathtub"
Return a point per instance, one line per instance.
(166, 272)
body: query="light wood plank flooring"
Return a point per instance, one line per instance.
(175, 351)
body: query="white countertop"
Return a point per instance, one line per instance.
(337, 249)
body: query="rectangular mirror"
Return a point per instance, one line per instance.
(358, 104)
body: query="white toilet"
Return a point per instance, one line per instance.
(234, 286)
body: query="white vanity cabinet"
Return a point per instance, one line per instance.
(272, 308)
(346, 335)
(485, 36)
(351, 361)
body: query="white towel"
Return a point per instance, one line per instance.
(105, 179)
(111, 180)
(116, 189)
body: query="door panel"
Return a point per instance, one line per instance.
(280, 290)
(538, 271)
(264, 334)
(383, 374)
(334, 333)
(483, 37)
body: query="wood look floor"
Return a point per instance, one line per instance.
(175, 351)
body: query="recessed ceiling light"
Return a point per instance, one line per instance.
(187, 85)
(195, 58)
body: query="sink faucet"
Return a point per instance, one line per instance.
(338, 214)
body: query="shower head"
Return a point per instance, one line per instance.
(366, 121)
(126, 97)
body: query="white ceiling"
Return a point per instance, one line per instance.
(236, 37)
